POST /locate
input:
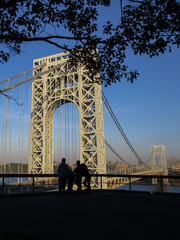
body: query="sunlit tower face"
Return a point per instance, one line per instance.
(158, 156)
(60, 85)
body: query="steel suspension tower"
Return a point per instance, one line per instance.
(158, 151)
(58, 83)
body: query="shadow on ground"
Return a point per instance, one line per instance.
(94, 215)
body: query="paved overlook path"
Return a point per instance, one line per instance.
(96, 215)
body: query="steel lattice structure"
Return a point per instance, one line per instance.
(58, 83)
(158, 150)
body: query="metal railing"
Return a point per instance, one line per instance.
(49, 182)
(25, 180)
(161, 180)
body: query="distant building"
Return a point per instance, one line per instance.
(173, 163)
(116, 167)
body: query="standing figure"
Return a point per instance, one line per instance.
(78, 175)
(82, 171)
(63, 172)
(85, 173)
(70, 180)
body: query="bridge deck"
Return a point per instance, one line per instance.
(95, 215)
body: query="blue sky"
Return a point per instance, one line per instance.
(148, 110)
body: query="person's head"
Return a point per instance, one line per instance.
(63, 160)
(78, 162)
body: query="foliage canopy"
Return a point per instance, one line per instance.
(147, 27)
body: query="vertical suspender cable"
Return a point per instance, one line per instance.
(113, 140)
(111, 131)
(121, 138)
(19, 142)
(109, 137)
(5, 134)
(22, 135)
(75, 134)
(2, 139)
(118, 143)
(10, 130)
(72, 118)
(68, 134)
(65, 153)
(60, 131)
(29, 127)
(67, 118)
(72, 147)
(123, 149)
(127, 149)
(106, 125)
(57, 150)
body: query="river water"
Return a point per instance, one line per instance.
(134, 186)
(149, 188)
(13, 180)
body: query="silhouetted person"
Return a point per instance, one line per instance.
(78, 175)
(85, 173)
(70, 180)
(82, 171)
(63, 172)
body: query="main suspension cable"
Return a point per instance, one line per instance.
(120, 128)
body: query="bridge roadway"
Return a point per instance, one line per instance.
(124, 180)
(98, 215)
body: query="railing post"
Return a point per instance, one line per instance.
(129, 183)
(59, 184)
(3, 182)
(161, 181)
(33, 184)
(101, 182)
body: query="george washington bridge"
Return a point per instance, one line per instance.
(55, 110)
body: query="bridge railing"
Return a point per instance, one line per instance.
(33, 183)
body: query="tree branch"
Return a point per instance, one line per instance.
(56, 44)
(5, 5)
(136, 1)
(29, 39)
(10, 97)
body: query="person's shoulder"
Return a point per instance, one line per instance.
(83, 165)
(67, 165)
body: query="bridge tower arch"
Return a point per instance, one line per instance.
(158, 151)
(61, 83)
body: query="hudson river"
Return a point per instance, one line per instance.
(149, 188)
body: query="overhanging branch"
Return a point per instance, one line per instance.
(11, 3)
(30, 39)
